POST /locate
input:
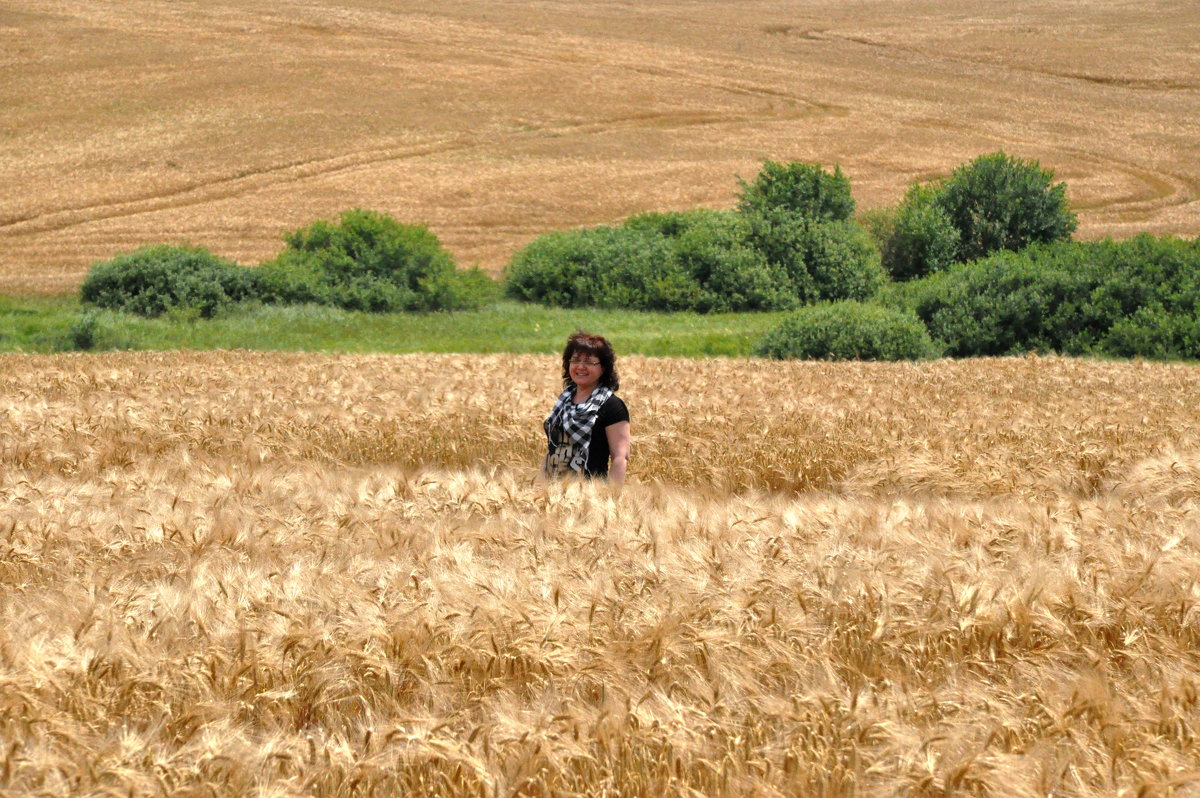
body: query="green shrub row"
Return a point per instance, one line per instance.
(153, 280)
(704, 261)
(1134, 298)
(977, 264)
(1137, 297)
(790, 242)
(365, 261)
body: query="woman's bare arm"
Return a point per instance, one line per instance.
(618, 448)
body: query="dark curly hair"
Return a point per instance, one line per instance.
(597, 345)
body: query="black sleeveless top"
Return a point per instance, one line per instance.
(613, 411)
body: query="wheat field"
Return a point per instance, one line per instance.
(273, 575)
(225, 123)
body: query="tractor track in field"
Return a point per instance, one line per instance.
(684, 87)
(781, 106)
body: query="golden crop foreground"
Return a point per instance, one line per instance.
(264, 574)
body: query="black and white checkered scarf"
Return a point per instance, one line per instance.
(569, 430)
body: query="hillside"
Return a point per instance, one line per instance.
(226, 123)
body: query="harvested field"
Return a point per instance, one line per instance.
(237, 573)
(226, 123)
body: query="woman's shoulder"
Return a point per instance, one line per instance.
(613, 410)
(613, 400)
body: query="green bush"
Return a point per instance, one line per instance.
(998, 202)
(821, 261)
(1153, 332)
(790, 242)
(715, 253)
(695, 260)
(922, 238)
(848, 331)
(999, 305)
(1139, 297)
(673, 224)
(292, 280)
(366, 261)
(369, 261)
(606, 267)
(798, 189)
(842, 261)
(993, 203)
(152, 280)
(702, 260)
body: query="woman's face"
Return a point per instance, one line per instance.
(585, 369)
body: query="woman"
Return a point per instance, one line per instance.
(588, 429)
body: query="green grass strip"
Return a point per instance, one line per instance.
(49, 324)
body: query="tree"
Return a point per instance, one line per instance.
(800, 189)
(922, 238)
(1000, 202)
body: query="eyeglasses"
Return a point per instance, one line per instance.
(578, 361)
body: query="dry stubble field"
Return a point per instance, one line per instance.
(265, 574)
(224, 123)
